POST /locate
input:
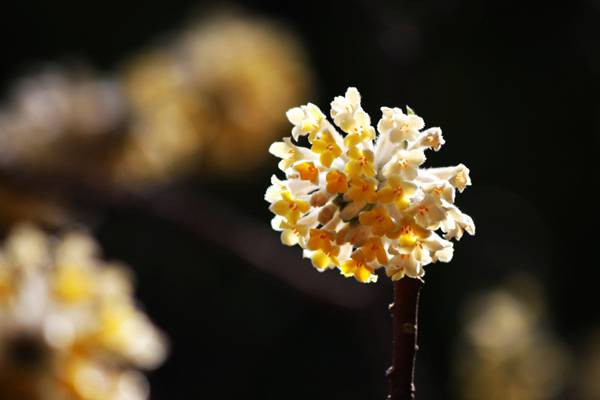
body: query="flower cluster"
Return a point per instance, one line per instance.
(205, 100)
(199, 103)
(358, 200)
(507, 350)
(57, 121)
(58, 117)
(69, 327)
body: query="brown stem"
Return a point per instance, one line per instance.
(404, 312)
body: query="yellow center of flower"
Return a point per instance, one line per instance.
(326, 250)
(337, 182)
(360, 163)
(73, 283)
(362, 190)
(357, 266)
(378, 219)
(409, 234)
(396, 191)
(308, 172)
(408, 239)
(459, 180)
(290, 208)
(327, 149)
(373, 249)
(310, 125)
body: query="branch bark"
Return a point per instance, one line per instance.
(404, 312)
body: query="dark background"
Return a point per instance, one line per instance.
(515, 87)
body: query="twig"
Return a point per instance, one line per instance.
(404, 312)
(258, 246)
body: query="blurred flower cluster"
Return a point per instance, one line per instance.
(360, 202)
(58, 117)
(58, 120)
(204, 102)
(587, 384)
(209, 98)
(507, 350)
(69, 326)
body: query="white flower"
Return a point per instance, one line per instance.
(359, 202)
(430, 211)
(348, 114)
(400, 126)
(290, 153)
(405, 163)
(306, 120)
(407, 262)
(457, 223)
(431, 138)
(457, 176)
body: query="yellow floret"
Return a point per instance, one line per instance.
(361, 190)
(327, 148)
(308, 172)
(361, 162)
(337, 182)
(73, 283)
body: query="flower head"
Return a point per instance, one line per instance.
(507, 350)
(203, 103)
(69, 325)
(359, 201)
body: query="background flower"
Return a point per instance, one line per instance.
(69, 326)
(508, 350)
(204, 102)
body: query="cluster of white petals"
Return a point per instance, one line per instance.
(359, 200)
(69, 325)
